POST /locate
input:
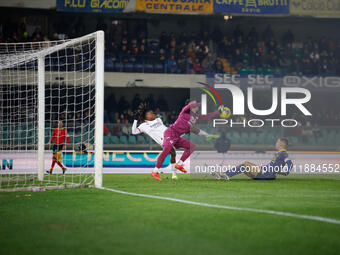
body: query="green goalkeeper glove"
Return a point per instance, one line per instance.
(210, 137)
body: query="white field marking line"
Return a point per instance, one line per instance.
(302, 216)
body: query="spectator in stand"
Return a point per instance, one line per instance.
(123, 119)
(237, 59)
(162, 56)
(219, 66)
(117, 129)
(272, 59)
(142, 53)
(208, 64)
(197, 66)
(182, 61)
(284, 61)
(171, 65)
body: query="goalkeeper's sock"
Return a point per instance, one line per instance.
(53, 164)
(61, 165)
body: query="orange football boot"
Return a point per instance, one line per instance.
(156, 176)
(180, 168)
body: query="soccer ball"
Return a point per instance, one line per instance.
(226, 112)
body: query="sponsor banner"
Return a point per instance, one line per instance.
(315, 7)
(113, 161)
(201, 162)
(91, 5)
(260, 81)
(252, 6)
(175, 6)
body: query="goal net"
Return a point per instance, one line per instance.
(44, 85)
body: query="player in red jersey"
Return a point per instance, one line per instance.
(59, 135)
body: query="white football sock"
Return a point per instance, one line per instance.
(156, 170)
(203, 133)
(172, 166)
(180, 162)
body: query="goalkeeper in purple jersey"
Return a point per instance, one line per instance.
(172, 135)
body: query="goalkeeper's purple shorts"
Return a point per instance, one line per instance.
(173, 139)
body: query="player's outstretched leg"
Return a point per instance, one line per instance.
(189, 148)
(173, 162)
(167, 146)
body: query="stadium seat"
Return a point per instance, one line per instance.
(148, 68)
(159, 68)
(139, 67)
(118, 67)
(311, 140)
(109, 65)
(128, 67)
(252, 138)
(114, 139)
(141, 139)
(132, 139)
(123, 139)
(244, 138)
(107, 139)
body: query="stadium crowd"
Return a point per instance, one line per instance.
(242, 51)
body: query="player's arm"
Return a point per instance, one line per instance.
(53, 137)
(211, 114)
(189, 106)
(135, 130)
(208, 116)
(200, 132)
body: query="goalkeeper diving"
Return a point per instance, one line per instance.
(155, 128)
(173, 135)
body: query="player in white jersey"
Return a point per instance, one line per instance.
(154, 127)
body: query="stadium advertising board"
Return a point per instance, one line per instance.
(261, 81)
(252, 6)
(91, 5)
(175, 6)
(113, 161)
(315, 7)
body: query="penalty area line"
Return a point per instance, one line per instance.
(287, 214)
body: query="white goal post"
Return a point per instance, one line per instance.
(42, 84)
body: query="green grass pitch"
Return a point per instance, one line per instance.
(93, 221)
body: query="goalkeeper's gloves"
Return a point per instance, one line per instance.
(210, 137)
(221, 108)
